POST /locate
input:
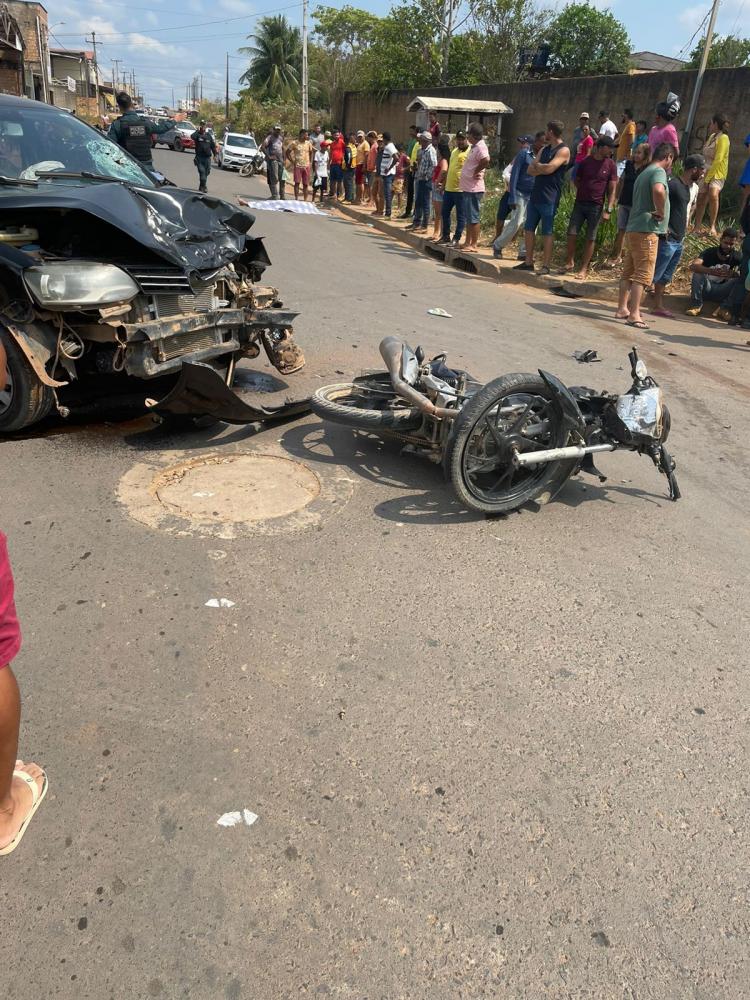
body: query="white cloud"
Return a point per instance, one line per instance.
(151, 18)
(97, 24)
(691, 17)
(237, 7)
(143, 43)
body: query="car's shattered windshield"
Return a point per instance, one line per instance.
(37, 144)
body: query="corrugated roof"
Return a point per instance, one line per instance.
(656, 62)
(459, 105)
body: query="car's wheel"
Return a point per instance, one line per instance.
(23, 398)
(177, 145)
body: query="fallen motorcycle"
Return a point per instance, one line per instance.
(517, 439)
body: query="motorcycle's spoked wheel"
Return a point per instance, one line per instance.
(514, 411)
(369, 403)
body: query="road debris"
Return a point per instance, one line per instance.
(586, 357)
(219, 602)
(237, 818)
(439, 312)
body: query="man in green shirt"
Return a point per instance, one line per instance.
(648, 220)
(133, 132)
(411, 146)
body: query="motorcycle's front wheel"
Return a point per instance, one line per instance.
(512, 413)
(247, 170)
(369, 403)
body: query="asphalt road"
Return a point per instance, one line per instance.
(489, 758)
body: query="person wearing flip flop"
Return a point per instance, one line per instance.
(649, 219)
(596, 176)
(670, 245)
(22, 786)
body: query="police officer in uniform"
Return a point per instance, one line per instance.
(205, 149)
(133, 132)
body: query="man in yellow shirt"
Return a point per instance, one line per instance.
(360, 166)
(452, 194)
(627, 138)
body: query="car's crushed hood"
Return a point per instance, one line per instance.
(192, 230)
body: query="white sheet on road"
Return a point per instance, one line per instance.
(287, 205)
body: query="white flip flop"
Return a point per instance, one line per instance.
(37, 798)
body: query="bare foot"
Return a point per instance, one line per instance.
(622, 315)
(582, 275)
(12, 818)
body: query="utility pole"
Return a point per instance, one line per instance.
(172, 105)
(226, 94)
(305, 73)
(116, 73)
(96, 71)
(699, 78)
(446, 34)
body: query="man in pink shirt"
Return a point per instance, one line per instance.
(471, 184)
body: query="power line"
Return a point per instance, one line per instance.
(182, 27)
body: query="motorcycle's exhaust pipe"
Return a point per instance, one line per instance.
(553, 454)
(391, 350)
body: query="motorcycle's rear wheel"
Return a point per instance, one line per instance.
(369, 402)
(247, 170)
(514, 411)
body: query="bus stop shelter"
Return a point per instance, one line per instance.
(455, 113)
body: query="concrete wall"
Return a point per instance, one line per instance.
(35, 60)
(535, 102)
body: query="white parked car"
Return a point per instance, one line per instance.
(238, 150)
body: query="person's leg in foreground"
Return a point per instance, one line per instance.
(473, 202)
(409, 195)
(667, 259)
(22, 786)
(510, 228)
(626, 281)
(387, 183)
(574, 225)
(640, 265)
(533, 218)
(699, 284)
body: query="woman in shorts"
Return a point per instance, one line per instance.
(716, 154)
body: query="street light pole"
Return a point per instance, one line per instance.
(699, 78)
(305, 72)
(226, 94)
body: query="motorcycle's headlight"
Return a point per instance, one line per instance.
(62, 285)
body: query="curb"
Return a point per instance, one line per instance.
(484, 266)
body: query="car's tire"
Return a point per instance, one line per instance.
(24, 400)
(469, 442)
(361, 410)
(177, 145)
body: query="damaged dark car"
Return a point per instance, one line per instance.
(115, 284)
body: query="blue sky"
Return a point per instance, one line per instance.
(167, 41)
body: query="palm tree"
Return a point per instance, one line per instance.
(275, 59)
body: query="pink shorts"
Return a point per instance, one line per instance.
(302, 176)
(10, 632)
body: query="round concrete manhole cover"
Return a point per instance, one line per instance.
(251, 487)
(233, 494)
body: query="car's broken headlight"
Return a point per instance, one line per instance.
(62, 285)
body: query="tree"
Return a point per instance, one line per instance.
(340, 38)
(504, 27)
(728, 51)
(587, 42)
(275, 59)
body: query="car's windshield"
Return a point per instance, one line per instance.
(36, 140)
(244, 141)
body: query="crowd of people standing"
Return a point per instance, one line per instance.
(436, 183)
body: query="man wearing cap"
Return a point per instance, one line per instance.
(452, 197)
(518, 193)
(596, 175)
(426, 163)
(273, 147)
(205, 149)
(578, 131)
(372, 163)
